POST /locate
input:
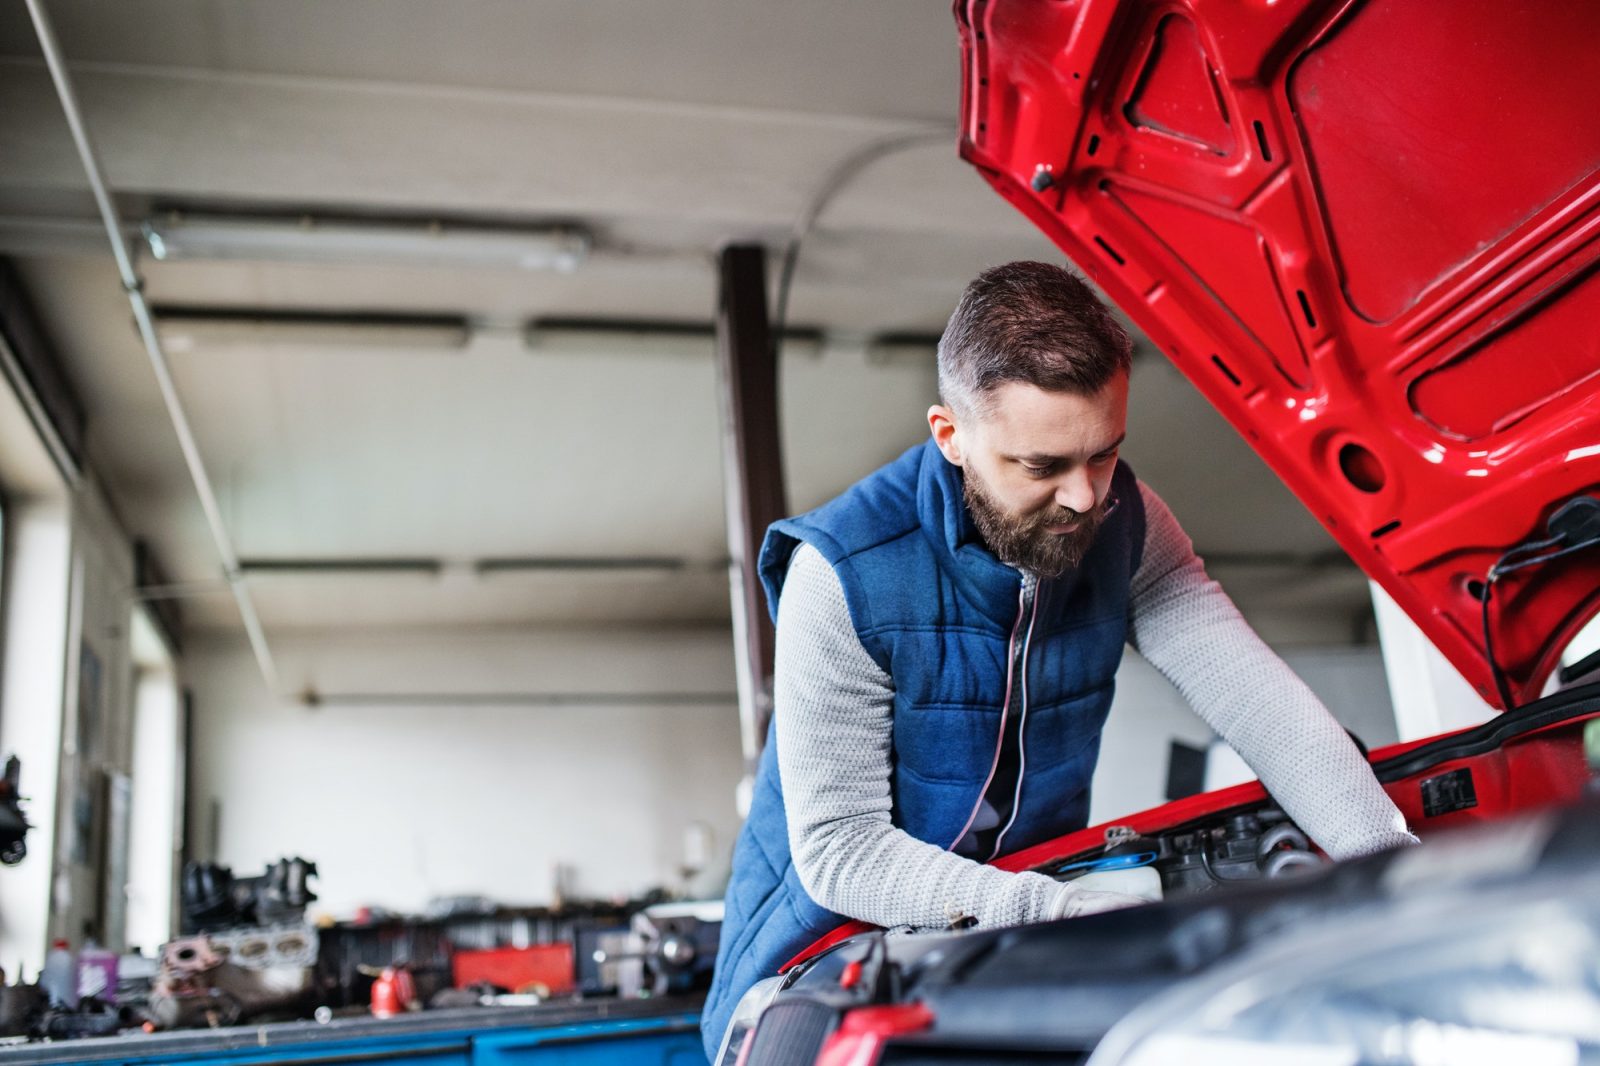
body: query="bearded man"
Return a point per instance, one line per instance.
(948, 634)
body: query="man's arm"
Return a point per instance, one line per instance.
(834, 711)
(1184, 623)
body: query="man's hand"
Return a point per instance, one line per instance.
(1075, 902)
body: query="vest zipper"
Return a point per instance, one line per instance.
(1022, 731)
(1005, 707)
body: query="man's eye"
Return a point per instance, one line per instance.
(1104, 457)
(1036, 471)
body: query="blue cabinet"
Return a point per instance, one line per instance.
(592, 1036)
(671, 1041)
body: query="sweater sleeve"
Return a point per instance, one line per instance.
(1188, 628)
(833, 707)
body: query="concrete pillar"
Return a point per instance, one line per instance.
(1429, 695)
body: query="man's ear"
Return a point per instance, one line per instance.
(942, 424)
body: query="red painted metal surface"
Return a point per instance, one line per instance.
(862, 1033)
(546, 966)
(1368, 232)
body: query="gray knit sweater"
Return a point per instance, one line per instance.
(834, 706)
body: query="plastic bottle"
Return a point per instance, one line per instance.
(97, 973)
(59, 978)
(1141, 881)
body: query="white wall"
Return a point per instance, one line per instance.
(69, 568)
(1350, 681)
(1430, 696)
(1149, 714)
(398, 804)
(36, 583)
(98, 633)
(1146, 716)
(155, 843)
(1586, 643)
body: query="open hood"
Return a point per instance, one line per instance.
(1368, 233)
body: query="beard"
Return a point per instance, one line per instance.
(1025, 540)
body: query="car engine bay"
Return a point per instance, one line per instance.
(1246, 846)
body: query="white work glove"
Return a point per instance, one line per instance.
(1075, 902)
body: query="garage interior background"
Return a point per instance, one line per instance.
(409, 459)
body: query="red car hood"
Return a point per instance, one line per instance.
(1368, 233)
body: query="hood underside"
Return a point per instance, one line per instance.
(1369, 234)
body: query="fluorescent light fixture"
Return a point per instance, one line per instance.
(548, 564)
(361, 566)
(621, 336)
(321, 240)
(913, 348)
(199, 329)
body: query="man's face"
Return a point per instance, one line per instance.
(1037, 469)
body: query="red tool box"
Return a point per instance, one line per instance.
(518, 969)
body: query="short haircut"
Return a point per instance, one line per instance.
(1035, 323)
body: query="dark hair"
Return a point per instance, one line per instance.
(1030, 322)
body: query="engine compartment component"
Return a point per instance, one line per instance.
(213, 898)
(247, 953)
(219, 979)
(1255, 845)
(669, 948)
(1053, 991)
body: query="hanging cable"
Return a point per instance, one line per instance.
(1573, 527)
(134, 287)
(841, 176)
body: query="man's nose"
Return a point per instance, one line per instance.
(1075, 491)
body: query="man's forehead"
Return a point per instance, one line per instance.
(1026, 421)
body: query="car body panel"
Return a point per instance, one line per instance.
(1368, 233)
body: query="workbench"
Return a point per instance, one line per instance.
(659, 1032)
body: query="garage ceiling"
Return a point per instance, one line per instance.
(666, 131)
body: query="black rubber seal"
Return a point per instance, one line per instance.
(1574, 703)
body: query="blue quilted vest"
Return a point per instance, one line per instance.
(938, 612)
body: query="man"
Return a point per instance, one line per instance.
(948, 632)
